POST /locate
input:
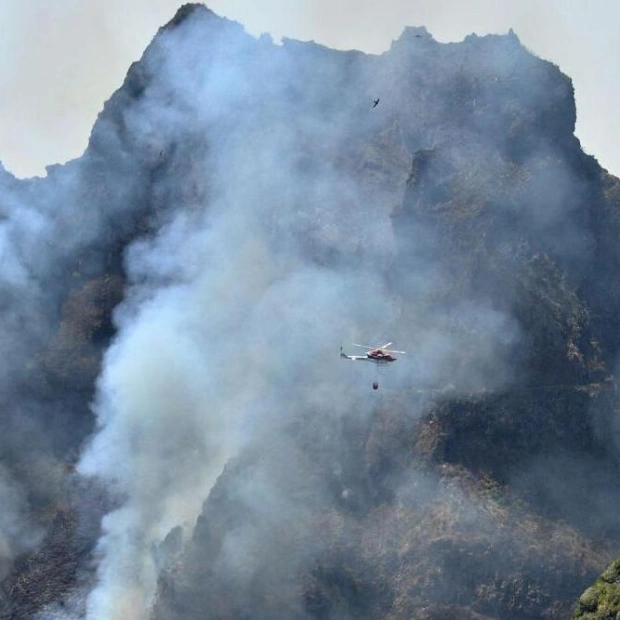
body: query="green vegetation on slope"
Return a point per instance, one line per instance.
(601, 601)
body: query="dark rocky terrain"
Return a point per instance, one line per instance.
(459, 218)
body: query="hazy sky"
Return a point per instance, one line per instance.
(60, 60)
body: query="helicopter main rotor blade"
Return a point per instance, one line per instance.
(363, 346)
(387, 344)
(393, 351)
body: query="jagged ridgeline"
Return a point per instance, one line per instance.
(180, 438)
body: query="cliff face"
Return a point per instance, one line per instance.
(176, 295)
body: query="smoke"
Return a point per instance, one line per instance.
(256, 195)
(273, 251)
(57, 236)
(29, 292)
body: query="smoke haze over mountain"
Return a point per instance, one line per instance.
(235, 317)
(257, 212)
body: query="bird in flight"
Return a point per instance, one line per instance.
(376, 102)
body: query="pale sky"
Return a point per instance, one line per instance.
(61, 59)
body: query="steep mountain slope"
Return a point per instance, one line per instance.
(176, 298)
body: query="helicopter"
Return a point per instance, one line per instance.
(378, 355)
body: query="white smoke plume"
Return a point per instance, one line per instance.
(271, 255)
